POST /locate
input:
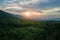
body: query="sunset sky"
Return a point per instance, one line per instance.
(43, 8)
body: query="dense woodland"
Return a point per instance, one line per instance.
(12, 28)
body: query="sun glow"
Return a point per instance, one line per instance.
(31, 14)
(27, 13)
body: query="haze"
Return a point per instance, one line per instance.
(32, 9)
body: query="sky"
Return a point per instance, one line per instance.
(50, 7)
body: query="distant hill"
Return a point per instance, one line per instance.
(10, 20)
(55, 19)
(19, 16)
(4, 15)
(7, 19)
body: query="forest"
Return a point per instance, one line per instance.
(13, 28)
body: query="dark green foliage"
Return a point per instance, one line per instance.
(12, 28)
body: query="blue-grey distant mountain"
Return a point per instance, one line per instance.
(55, 18)
(6, 15)
(19, 16)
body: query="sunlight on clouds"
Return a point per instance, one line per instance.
(23, 3)
(31, 14)
(14, 6)
(32, 8)
(51, 10)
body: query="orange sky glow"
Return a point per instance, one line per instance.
(30, 14)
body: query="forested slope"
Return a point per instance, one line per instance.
(12, 28)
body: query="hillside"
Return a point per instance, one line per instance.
(12, 28)
(7, 19)
(5, 15)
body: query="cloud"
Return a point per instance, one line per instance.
(14, 7)
(31, 2)
(21, 2)
(47, 5)
(52, 10)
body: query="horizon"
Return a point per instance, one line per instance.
(32, 9)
